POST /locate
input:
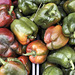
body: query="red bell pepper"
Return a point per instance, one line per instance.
(26, 63)
(37, 52)
(54, 38)
(6, 17)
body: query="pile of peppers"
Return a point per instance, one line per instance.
(40, 32)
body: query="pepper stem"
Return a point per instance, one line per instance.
(71, 62)
(11, 9)
(2, 61)
(33, 53)
(31, 37)
(74, 34)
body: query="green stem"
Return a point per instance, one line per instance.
(74, 34)
(31, 37)
(11, 9)
(71, 62)
(2, 61)
(33, 53)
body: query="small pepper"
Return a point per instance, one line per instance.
(26, 63)
(24, 29)
(27, 7)
(47, 15)
(68, 28)
(8, 44)
(13, 66)
(37, 52)
(6, 17)
(69, 6)
(52, 70)
(54, 37)
(64, 57)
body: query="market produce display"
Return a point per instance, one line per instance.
(40, 32)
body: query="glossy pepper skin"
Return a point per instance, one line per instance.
(53, 37)
(69, 28)
(45, 65)
(8, 44)
(69, 6)
(6, 17)
(18, 13)
(64, 57)
(24, 29)
(27, 7)
(26, 63)
(52, 70)
(47, 15)
(12, 67)
(7, 2)
(37, 52)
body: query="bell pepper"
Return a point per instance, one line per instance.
(8, 44)
(68, 28)
(37, 52)
(69, 6)
(18, 13)
(6, 17)
(24, 29)
(45, 65)
(53, 38)
(27, 7)
(47, 15)
(26, 63)
(7, 2)
(15, 2)
(12, 67)
(52, 70)
(64, 57)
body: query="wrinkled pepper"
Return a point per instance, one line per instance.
(45, 65)
(26, 63)
(54, 37)
(13, 66)
(27, 7)
(64, 57)
(37, 52)
(52, 70)
(69, 6)
(47, 15)
(69, 28)
(6, 17)
(8, 44)
(24, 29)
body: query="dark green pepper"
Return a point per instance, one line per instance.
(45, 65)
(47, 15)
(18, 13)
(52, 70)
(24, 29)
(64, 56)
(69, 27)
(27, 7)
(69, 6)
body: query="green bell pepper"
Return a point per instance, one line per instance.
(27, 7)
(69, 6)
(52, 70)
(69, 27)
(64, 57)
(47, 15)
(24, 29)
(18, 13)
